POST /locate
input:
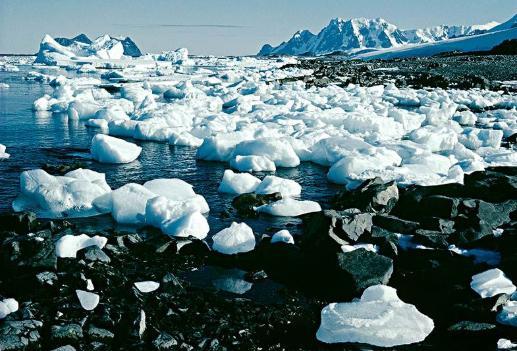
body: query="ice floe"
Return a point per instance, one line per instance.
(282, 236)
(108, 149)
(491, 283)
(274, 184)
(252, 163)
(508, 314)
(379, 318)
(8, 306)
(289, 207)
(3, 153)
(238, 183)
(147, 286)
(237, 238)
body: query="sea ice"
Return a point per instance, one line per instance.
(238, 183)
(8, 306)
(492, 282)
(129, 203)
(278, 151)
(282, 236)
(508, 314)
(108, 149)
(504, 344)
(190, 224)
(147, 286)
(379, 318)
(237, 238)
(88, 300)
(68, 245)
(273, 184)
(252, 163)
(3, 154)
(289, 207)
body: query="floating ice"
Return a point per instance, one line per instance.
(508, 314)
(3, 154)
(147, 286)
(108, 149)
(278, 151)
(68, 245)
(238, 183)
(71, 195)
(503, 344)
(234, 239)
(176, 56)
(273, 184)
(282, 236)
(88, 300)
(190, 224)
(8, 306)
(289, 207)
(492, 282)
(379, 318)
(252, 163)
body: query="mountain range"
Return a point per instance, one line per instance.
(361, 35)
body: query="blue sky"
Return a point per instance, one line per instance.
(220, 27)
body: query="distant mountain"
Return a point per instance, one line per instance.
(361, 34)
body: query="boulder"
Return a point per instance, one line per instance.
(364, 268)
(34, 251)
(394, 224)
(372, 196)
(245, 204)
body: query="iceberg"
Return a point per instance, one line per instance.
(379, 318)
(177, 56)
(282, 236)
(273, 184)
(289, 207)
(108, 149)
(3, 154)
(237, 238)
(252, 163)
(238, 183)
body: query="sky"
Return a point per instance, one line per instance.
(220, 27)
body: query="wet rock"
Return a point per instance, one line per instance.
(256, 276)
(21, 223)
(94, 254)
(471, 327)
(395, 225)
(440, 206)
(99, 334)
(32, 251)
(245, 204)
(372, 196)
(431, 238)
(441, 225)
(364, 268)
(165, 341)
(47, 278)
(65, 348)
(66, 332)
(20, 335)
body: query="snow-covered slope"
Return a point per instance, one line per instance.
(359, 34)
(481, 42)
(52, 51)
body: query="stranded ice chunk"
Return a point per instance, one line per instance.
(8, 306)
(508, 314)
(234, 239)
(3, 154)
(289, 208)
(238, 183)
(273, 184)
(492, 282)
(190, 224)
(147, 286)
(128, 203)
(252, 163)
(88, 300)
(282, 236)
(68, 245)
(108, 149)
(379, 318)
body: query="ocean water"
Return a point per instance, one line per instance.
(34, 139)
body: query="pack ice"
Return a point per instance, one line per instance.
(379, 318)
(233, 110)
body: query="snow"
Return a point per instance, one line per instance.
(71, 195)
(252, 163)
(282, 236)
(289, 207)
(8, 306)
(238, 183)
(108, 149)
(3, 154)
(274, 184)
(379, 318)
(88, 300)
(491, 283)
(68, 245)
(147, 286)
(237, 238)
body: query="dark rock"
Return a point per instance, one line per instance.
(470, 327)
(66, 332)
(372, 196)
(21, 223)
(20, 335)
(431, 238)
(99, 334)
(245, 203)
(395, 224)
(165, 341)
(439, 206)
(256, 276)
(365, 268)
(47, 278)
(194, 247)
(94, 254)
(444, 226)
(34, 251)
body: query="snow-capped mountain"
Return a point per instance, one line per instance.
(361, 34)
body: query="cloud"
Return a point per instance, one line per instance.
(172, 25)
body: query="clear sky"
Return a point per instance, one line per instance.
(220, 27)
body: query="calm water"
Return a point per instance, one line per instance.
(34, 139)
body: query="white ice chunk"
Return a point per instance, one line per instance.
(368, 247)
(508, 314)
(252, 163)
(504, 344)
(147, 286)
(289, 207)
(273, 184)
(88, 300)
(279, 151)
(129, 202)
(238, 183)
(173, 188)
(492, 282)
(234, 239)
(379, 318)
(3, 154)
(282, 236)
(108, 149)
(68, 245)
(8, 306)
(191, 224)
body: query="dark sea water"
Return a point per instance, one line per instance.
(34, 139)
